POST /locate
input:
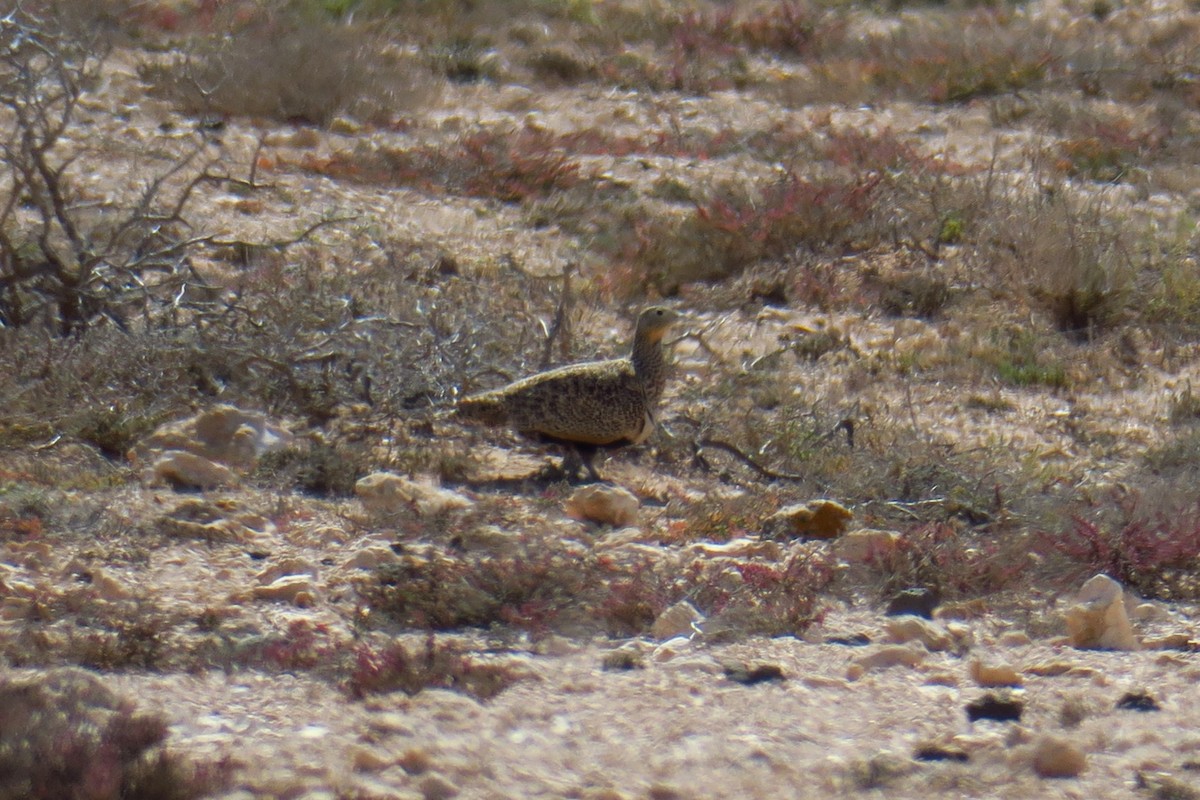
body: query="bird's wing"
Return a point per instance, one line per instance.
(594, 404)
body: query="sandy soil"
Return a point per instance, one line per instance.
(676, 725)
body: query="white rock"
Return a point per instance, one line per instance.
(296, 589)
(223, 433)
(183, 469)
(866, 546)
(283, 567)
(678, 620)
(672, 648)
(605, 504)
(738, 548)
(1098, 619)
(388, 493)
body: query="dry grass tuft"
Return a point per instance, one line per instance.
(279, 64)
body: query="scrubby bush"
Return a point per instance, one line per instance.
(65, 736)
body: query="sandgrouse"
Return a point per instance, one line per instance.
(586, 406)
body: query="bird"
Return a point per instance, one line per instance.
(587, 406)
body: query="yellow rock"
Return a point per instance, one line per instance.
(994, 674)
(816, 519)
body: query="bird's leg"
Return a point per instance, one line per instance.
(587, 455)
(572, 462)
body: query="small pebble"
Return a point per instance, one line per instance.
(435, 787)
(992, 675)
(1055, 757)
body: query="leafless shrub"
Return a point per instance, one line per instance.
(390, 341)
(65, 263)
(284, 65)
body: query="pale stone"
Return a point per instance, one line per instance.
(1014, 639)
(672, 648)
(816, 519)
(632, 553)
(489, 539)
(183, 469)
(557, 646)
(680, 619)
(295, 589)
(603, 793)
(885, 657)
(197, 518)
(1149, 612)
(1056, 757)
(1049, 669)
(604, 504)
(286, 566)
(619, 538)
(369, 759)
(368, 787)
(372, 557)
(414, 760)
(738, 548)
(34, 555)
(866, 546)
(990, 675)
(109, 587)
(963, 610)
(22, 588)
(436, 787)
(914, 629)
(963, 635)
(390, 723)
(329, 535)
(344, 125)
(223, 433)
(1098, 619)
(14, 608)
(941, 679)
(388, 493)
(1170, 641)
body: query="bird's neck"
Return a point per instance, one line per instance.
(650, 366)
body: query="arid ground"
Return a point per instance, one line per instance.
(938, 268)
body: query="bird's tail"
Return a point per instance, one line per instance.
(487, 408)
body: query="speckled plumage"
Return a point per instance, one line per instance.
(589, 405)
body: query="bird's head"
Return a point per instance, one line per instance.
(654, 321)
